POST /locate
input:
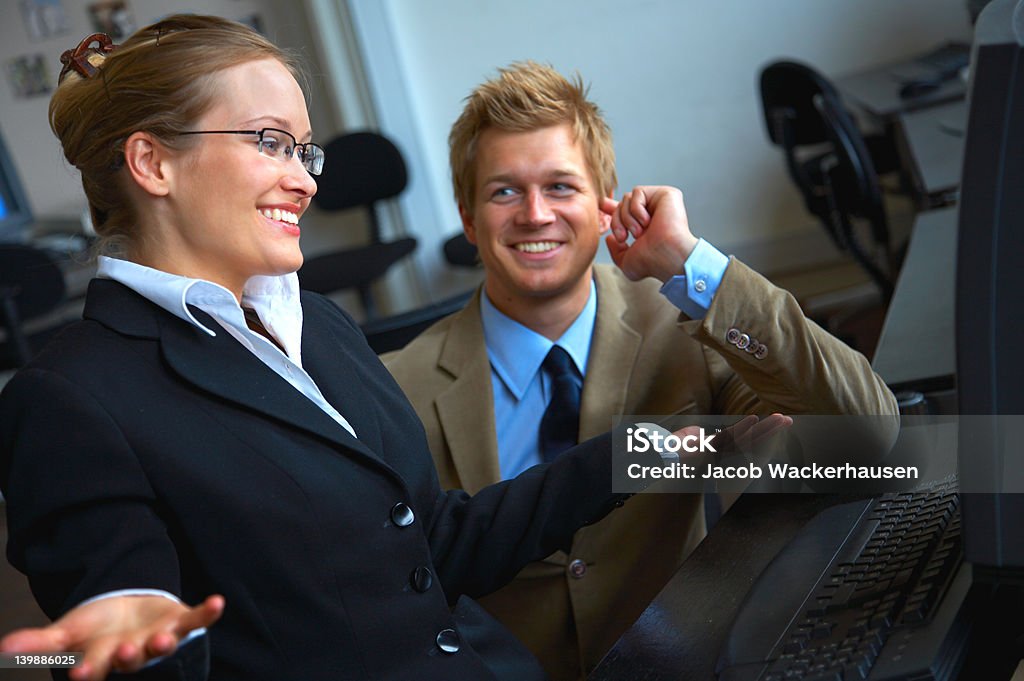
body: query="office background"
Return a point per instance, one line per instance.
(676, 79)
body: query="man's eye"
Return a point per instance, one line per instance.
(562, 188)
(503, 192)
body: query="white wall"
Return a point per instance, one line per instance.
(677, 80)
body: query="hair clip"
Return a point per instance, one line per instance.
(78, 58)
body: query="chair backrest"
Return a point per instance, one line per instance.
(837, 178)
(360, 168)
(31, 285)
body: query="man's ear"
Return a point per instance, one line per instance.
(605, 219)
(467, 224)
(147, 161)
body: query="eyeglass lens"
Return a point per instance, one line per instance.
(280, 145)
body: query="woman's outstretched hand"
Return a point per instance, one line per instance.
(120, 633)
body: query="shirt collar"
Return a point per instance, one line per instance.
(516, 352)
(274, 298)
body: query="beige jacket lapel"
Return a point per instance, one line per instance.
(613, 352)
(466, 408)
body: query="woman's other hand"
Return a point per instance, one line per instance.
(120, 633)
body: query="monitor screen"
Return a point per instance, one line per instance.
(15, 214)
(990, 295)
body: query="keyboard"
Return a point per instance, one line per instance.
(869, 590)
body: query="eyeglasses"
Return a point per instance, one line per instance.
(278, 144)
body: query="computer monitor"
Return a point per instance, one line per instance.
(990, 296)
(15, 214)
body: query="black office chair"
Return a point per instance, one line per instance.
(829, 160)
(360, 169)
(395, 332)
(31, 285)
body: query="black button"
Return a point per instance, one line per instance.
(577, 569)
(422, 578)
(448, 641)
(402, 515)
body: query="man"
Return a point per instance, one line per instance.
(533, 169)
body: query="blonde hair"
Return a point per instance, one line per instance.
(527, 96)
(158, 81)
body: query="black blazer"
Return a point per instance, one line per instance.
(137, 451)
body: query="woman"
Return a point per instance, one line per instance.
(207, 429)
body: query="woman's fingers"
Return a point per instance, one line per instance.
(202, 615)
(42, 639)
(97, 661)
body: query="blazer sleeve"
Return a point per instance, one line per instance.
(790, 364)
(82, 516)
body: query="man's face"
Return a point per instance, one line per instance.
(535, 216)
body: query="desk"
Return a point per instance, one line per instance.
(917, 346)
(932, 146)
(877, 91)
(927, 130)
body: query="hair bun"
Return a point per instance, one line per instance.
(85, 58)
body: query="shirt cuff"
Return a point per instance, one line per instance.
(195, 633)
(694, 291)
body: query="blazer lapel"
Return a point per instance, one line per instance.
(614, 349)
(466, 408)
(216, 364)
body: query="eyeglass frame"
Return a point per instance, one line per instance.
(297, 146)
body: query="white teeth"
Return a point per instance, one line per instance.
(280, 215)
(536, 246)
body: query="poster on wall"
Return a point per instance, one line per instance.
(113, 17)
(43, 18)
(28, 76)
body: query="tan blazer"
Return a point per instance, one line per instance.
(645, 358)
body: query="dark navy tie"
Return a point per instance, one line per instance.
(560, 425)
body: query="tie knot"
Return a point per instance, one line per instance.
(558, 362)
